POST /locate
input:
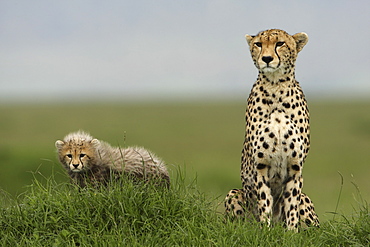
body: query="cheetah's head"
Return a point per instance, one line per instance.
(275, 51)
(77, 155)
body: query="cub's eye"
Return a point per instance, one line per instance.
(82, 155)
(69, 156)
(281, 43)
(258, 44)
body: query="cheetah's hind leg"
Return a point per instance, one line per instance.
(307, 212)
(235, 204)
(236, 208)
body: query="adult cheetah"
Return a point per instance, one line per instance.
(277, 137)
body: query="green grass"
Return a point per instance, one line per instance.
(204, 137)
(125, 214)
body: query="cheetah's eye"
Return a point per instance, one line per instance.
(281, 43)
(69, 156)
(82, 155)
(258, 44)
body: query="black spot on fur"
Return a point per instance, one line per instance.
(261, 166)
(295, 192)
(295, 167)
(263, 196)
(259, 185)
(286, 105)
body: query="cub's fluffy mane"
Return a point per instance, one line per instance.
(78, 136)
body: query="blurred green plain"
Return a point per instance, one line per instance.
(204, 137)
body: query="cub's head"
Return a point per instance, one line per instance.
(77, 152)
(275, 50)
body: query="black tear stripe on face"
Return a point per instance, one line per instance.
(277, 55)
(81, 156)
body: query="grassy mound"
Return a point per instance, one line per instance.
(127, 214)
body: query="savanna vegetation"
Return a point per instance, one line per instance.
(201, 142)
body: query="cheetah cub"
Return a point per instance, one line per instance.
(90, 161)
(277, 137)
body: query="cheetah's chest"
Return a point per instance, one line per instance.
(277, 146)
(278, 133)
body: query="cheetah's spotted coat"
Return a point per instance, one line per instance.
(277, 138)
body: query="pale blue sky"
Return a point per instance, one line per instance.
(171, 49)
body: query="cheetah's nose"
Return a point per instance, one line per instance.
(267, 59)
(75, 165)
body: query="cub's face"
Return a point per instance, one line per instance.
(275, 50)
(76, 156)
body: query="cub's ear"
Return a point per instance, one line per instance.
(95, 142)
(301, 40)
(249, 38)
(59, 144)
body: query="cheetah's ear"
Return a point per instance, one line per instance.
(301, 40)
(95, 142)
(249, 39)
(59, 144)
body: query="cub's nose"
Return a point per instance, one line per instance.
(267, 59)
(75, 165)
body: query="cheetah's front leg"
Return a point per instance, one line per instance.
(264, 197)
(292, 194)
